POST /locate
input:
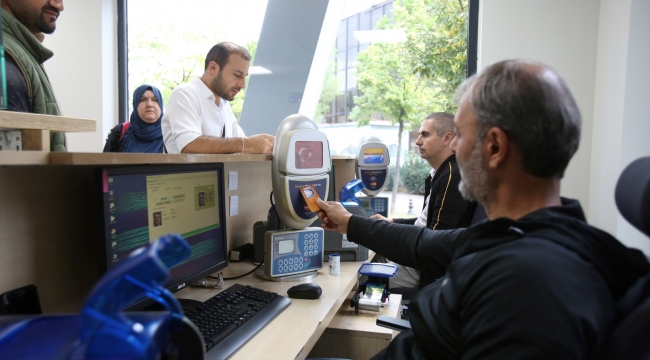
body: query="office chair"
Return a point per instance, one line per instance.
(629, 340)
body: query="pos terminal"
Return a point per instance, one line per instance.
(301, 161)
(372, 169)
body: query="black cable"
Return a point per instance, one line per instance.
(238, 276)
(274, 209)
(260, 264)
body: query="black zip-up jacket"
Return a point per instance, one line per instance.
(541, 287)
(447, 209)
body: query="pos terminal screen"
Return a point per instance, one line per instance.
(285, 246)
(309, 154)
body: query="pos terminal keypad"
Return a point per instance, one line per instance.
(292, 252)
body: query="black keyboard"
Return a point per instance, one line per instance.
(233, 316)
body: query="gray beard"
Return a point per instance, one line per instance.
(475, 184)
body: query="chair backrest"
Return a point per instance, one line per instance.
(633, 194)
(633, 201)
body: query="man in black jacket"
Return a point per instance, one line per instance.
(533, 281)
(444, 207)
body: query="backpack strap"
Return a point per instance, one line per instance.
(125, 127)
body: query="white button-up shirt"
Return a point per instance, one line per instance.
(191, 111)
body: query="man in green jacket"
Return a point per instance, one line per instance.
(24, 23)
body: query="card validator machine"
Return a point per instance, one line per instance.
(372, 169)
(301, 157)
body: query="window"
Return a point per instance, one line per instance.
(167, 42)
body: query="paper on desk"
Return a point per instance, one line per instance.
(233, 180)
(234, 205)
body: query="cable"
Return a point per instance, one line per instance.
(257, 266)
(238, 276)
(275, 210)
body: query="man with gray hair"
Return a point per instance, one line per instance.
(444, 208)
(199, 118)
(532, 281)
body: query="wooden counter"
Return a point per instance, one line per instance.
(294, 332)
(356, 336)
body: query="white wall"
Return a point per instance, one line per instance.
(600, 47)
(83, 70)
(559, 33)
(622, 109)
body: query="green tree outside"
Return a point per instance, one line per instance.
(329, 91)
(407, 81)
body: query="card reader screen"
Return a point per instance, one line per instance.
(373, 156)
(309, 154)
(285, 246)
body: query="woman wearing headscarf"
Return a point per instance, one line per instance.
(142, 134)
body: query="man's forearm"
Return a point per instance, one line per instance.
(413, 246)
(212, 145)
(410, 221)
(385, 239)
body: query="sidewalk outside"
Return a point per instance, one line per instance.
(402, 204)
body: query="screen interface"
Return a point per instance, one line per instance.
(139, 208)
(285, 247)
(309, 154)
(373, 156)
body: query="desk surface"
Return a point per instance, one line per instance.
(293, 333)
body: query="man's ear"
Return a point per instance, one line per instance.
(447, 138)
(213, 67)
(497, 145)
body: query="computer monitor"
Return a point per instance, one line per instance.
(141, 203)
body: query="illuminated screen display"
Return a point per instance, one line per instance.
(142, 204)
(373, 156)
(285, 246)
(309, 154)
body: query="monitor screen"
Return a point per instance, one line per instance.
(142, 203)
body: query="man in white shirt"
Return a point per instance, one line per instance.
(444, 207)
(199, 119)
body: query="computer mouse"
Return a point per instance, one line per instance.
(305, 291)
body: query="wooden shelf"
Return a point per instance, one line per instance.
(28, 121)
(24, 157)
(127, 159)
(61, 158)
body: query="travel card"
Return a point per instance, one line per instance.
(311, 195)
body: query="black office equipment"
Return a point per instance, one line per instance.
(242, 252)
(21, 301)
(336, 243)
(233, 316)
(305, 291)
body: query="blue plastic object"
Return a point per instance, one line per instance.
(349, 190)
(378, 269)
(102, 331)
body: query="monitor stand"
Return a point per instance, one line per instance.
(296, 277)
(189, 304)
(186, 304)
